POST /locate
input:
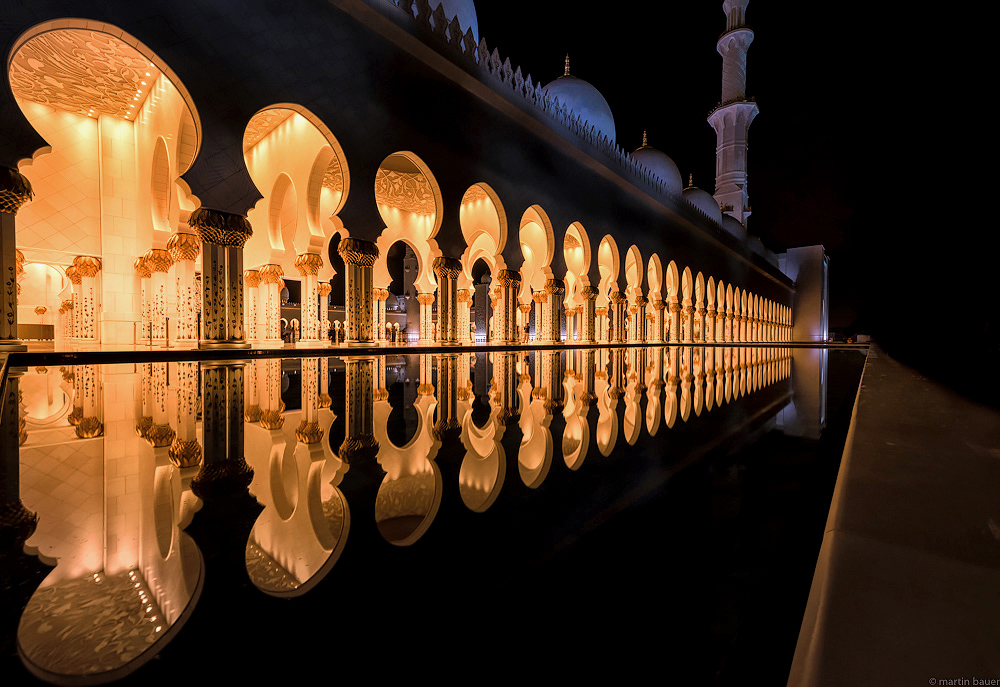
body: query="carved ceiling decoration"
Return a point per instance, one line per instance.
(333, 179)
(571, 241)
(406, 191)
(85, 72)
(474, 193)
(263, 123)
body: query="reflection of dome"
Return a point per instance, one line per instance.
(660, 164)
(704, 201)
(584, 100)
(463, 10)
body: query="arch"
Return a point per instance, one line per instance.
(673, 282)
(537, 246)
(409, 201)
(286, 139)
(282, 216)
(608, 265)
(654, 276)
(576, 255)
(160, 187)
(633, 273)
(484, 227)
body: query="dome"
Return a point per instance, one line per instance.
(464, 10)
(660, 164)
(704, 201)
(584, 100)
(735, 227)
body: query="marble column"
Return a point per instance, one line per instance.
(617, 313)
(185, 451)
(447, 424)
(710, 323)
(185, 249)
(464, 330)
(523, 321)
(675, 322)
(587, 314)
(687, 331)
(447, 270)
(659, 305)
(426, 302)
(510, 285)
(269, 314)
(145, 307)
(15, 191)
(601, 323)
(223, 236)
(539, 298)
(309, 265)
(639, 325)
(324, 290)
(554, 290)
(251, 311)
(359, 257)
(159, 263)
(380, 296)
(87, 267)
(75, 282)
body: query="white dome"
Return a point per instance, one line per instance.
(734, 227)
(465, 10)
(660, 164)
(704, 201)
(585, 101)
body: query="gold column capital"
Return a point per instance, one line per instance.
(221, 228)
(184, 247)
(15, 190)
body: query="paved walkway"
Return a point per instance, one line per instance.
(907, 585)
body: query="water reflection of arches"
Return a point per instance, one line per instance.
(534, 457)
(484, 465)
(410, 493)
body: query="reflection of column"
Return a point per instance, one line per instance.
(309, 265)
(359, 256)
(185, 249)
(447, 270)
(309, 431)
(510, 284)
(464, 330)
(222, 427)
(142, 270)
(505, 390)
(270, 300)
(251, 282)
(426, 300)
(159, 262)
(617, 313)
(86, 384)
(554, 289)
(447, 424)
(185, 452)
(359, 440)
(87, 268)
(324, 290)
(15, 191)
(223, 235)
(66, 310)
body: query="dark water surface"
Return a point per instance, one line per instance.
(629, 512)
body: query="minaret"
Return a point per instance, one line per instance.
(732, 117)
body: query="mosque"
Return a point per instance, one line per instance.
(177, 175)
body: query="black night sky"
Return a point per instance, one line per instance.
(858, 115)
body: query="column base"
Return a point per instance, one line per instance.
(12, 346)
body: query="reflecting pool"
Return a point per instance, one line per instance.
(479, 513)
